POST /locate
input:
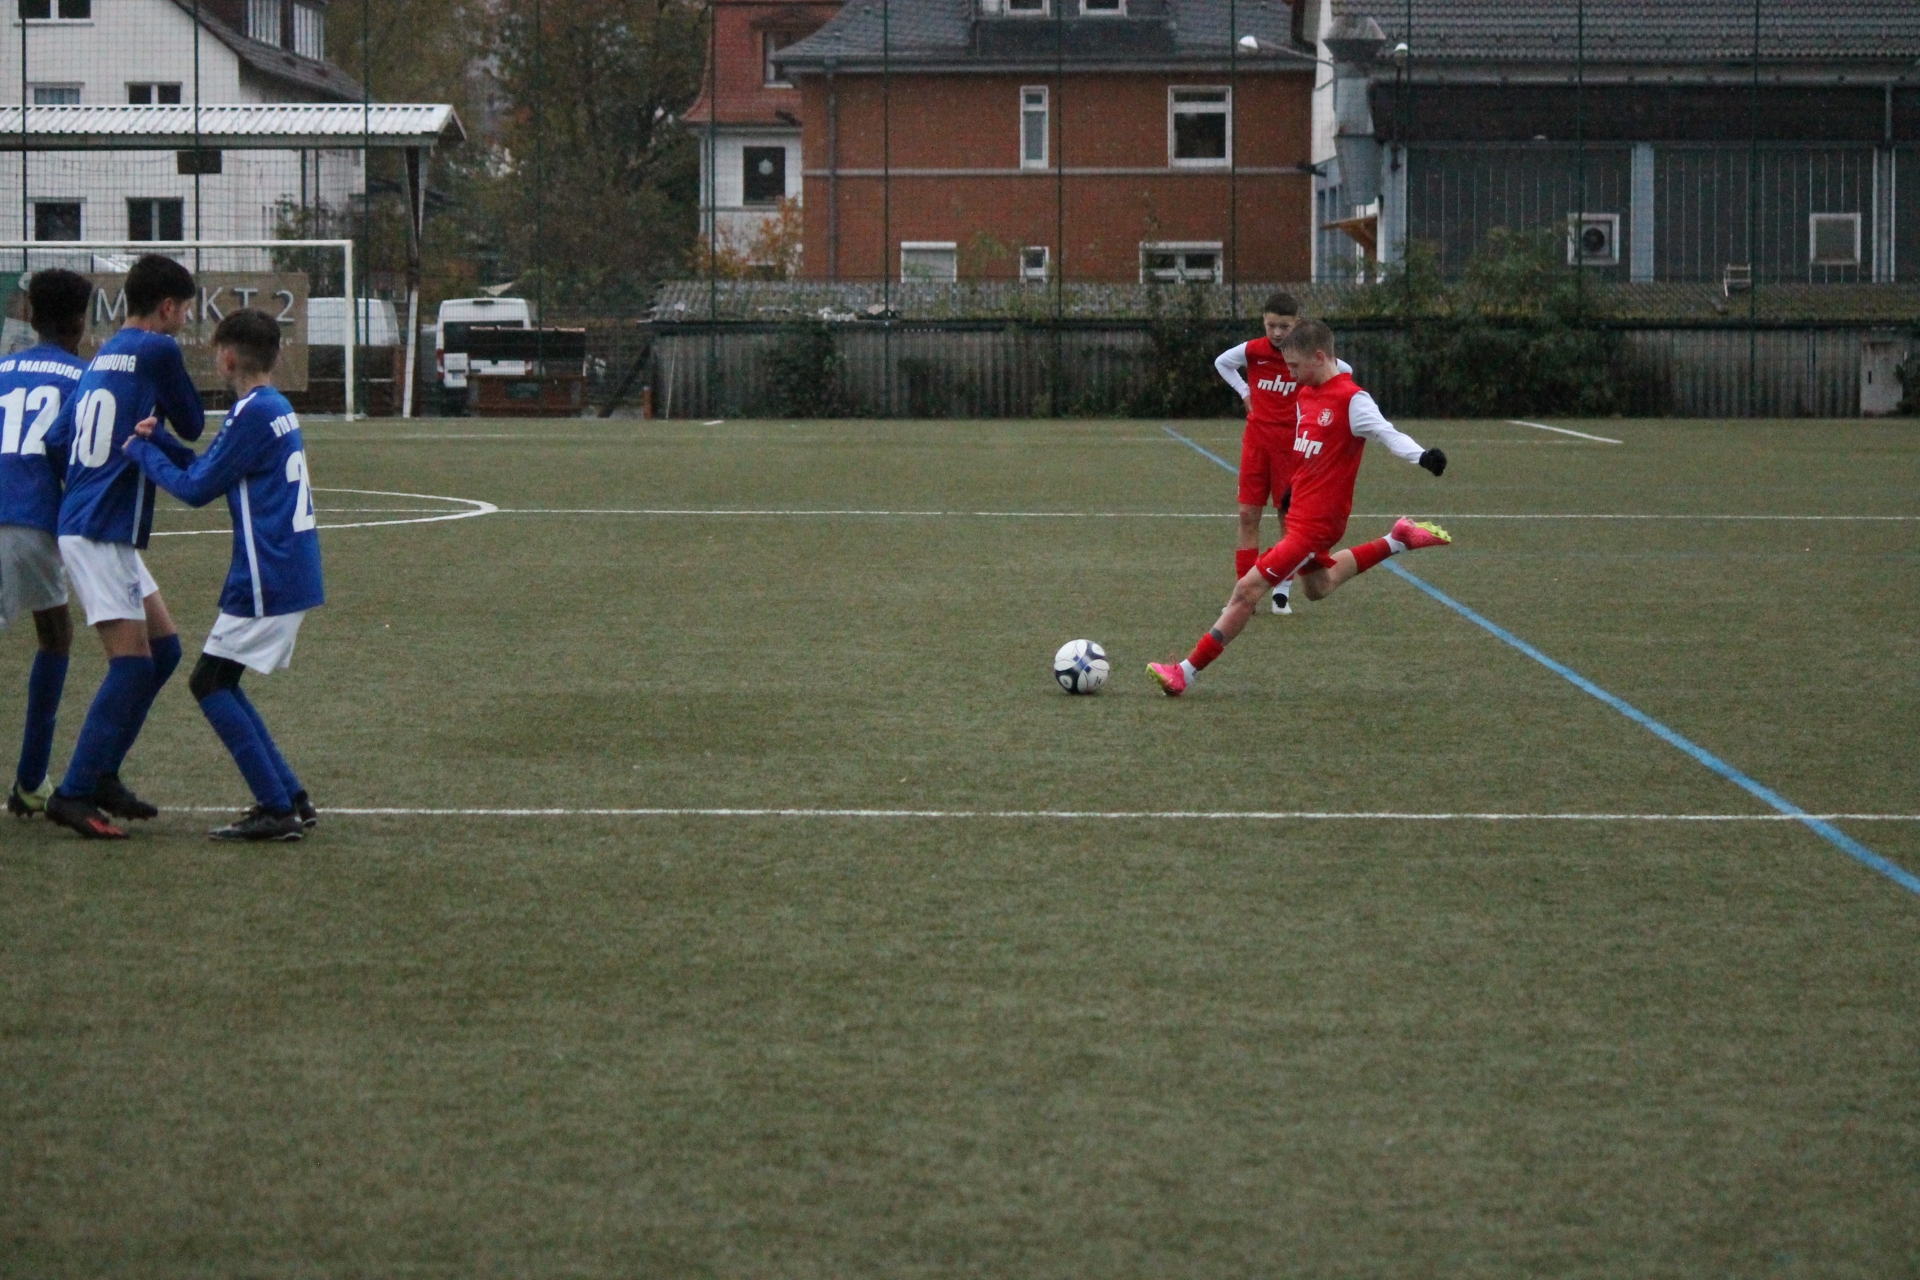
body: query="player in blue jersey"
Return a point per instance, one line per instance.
(258, 463)
(106, 516)
(34, 384)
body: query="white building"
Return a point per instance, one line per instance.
(81, 54)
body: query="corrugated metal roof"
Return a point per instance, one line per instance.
(1645, 31)
(231, 126)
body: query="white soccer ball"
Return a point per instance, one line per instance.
(1081, 666)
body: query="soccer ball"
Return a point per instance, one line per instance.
(1081, 666)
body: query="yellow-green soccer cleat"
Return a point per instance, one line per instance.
(1415, 534)
(27, 804)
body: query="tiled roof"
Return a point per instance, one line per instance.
(1645, 31)
(946, 33)
(231, 126)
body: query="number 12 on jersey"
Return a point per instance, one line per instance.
(43, 403)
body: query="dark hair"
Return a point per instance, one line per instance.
(252, 335)
(1280, 304)
(59, 299)
(155, 279)
(1308, 337)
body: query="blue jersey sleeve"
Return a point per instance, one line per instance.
(212, 473)
(177, 400)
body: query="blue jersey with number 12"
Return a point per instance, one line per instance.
(33, 386)
(136, 375)
(259, 462)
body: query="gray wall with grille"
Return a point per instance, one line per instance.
(1688, 202)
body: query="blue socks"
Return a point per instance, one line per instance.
(44, 686)
(251, 748)
(279, 763)
(129, 685)
(166, 656)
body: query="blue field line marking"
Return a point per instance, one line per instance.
(1766, 795)
(1200, 449)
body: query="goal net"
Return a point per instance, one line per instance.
(307, 285)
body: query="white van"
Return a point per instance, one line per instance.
(327, 323)
(455, 314)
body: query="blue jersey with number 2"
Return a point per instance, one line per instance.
(259, 462)
(136, 375)
(33, 386)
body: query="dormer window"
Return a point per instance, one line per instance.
(309, 31)
(263, 21)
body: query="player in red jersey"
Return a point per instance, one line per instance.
(1335, 419)
(1258, 373)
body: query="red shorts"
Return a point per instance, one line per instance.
(1301, 551)
(1266, 466)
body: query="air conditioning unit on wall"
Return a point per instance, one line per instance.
(1593, 239)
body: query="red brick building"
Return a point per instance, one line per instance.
(747, 117)
(1108, 140)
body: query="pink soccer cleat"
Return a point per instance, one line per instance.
(1173, 681)
(1415, 534)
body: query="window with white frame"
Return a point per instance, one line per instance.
(56, 95)
(1025, 8)
(56, 10)
(158, 219)
(772, 42)
(1180, 262)
(1199, 129)
(1104, 8)
(929, 260)
(1833, 239)
(1033, 262)
(1033, 127)
(153, 95)
(263, 21)
(309, 31)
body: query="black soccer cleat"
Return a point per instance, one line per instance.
(257, 824)
(114, 796)
(81, 816)
(309, 816)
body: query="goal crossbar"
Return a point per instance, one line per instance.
(186, 246)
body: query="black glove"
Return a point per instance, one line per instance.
(1434, 461)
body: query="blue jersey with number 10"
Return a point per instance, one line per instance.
(136, 375)
(259, 463)
(33, 386)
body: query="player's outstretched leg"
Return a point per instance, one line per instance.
(1406, 535)
(31, 785)
(1174, 677)
(214, 682)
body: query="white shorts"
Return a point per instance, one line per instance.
(30, 577)
(109, 577)
(259, 644)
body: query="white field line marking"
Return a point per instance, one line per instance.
(717, 422)
(471, 507)
(1565, 431)
(797, 513)
(1085, 815)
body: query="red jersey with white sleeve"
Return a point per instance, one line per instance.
(1335, 421)
(1258, 374)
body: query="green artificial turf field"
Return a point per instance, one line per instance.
(706, 1044)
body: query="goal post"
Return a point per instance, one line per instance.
(220, 258)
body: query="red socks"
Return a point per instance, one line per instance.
(1209, 648)
(1369, 554)
(1243, 560)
